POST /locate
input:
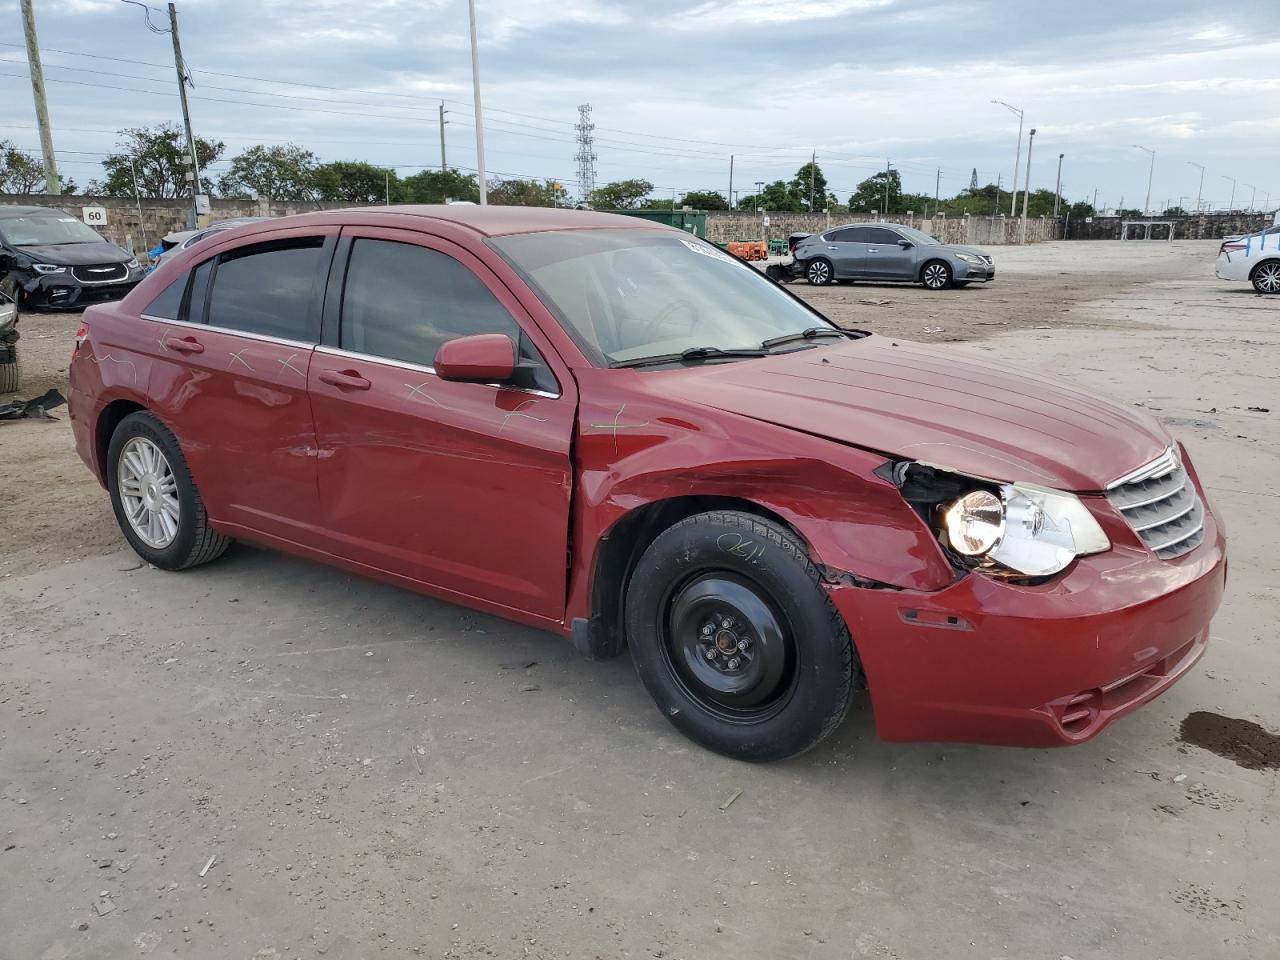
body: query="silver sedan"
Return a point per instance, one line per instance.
(889, 251)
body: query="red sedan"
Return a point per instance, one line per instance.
(618, 432)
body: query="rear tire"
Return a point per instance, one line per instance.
(155, 499)
(9, 373)
(819, 272)
(735, 638)
(1266, 277)
(936, 275)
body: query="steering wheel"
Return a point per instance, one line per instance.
(649, 329)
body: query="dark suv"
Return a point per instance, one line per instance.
(48, 258)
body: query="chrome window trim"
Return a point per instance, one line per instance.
(262, 337)
(419, 368)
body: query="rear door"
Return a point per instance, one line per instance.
(846, 251)
(886, 258)
(462, 486)
(232, 383)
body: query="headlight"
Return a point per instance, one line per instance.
(133, 264)
(970, 258)
(1029, 529)
(48, 268)
(974, 523)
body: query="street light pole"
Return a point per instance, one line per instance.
(1146, 210)
(475, 83)
(1057, 190)
(1231, 204)
(1026, 186)
(1253, 197)
(1199, 189)
(1017, 156)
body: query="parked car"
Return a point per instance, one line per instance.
(613, 430)
(49, 258)
(887, 251)
(8, 343)
(188, 238)
(1254, 258)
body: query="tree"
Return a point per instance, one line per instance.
(807, 182)
(273, 173)
(870, 193)
(1081, 208)
(158, 154)
(621, 195)
(705, 200)
(355, 181)
(439, 186)
(1175, 212)
(526, 193)
(777, 196)
(20, 172)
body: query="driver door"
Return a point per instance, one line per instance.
(464, 487)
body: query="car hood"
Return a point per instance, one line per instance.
(945, 407)
(76, 254)
(957, 248)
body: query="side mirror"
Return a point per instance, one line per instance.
(904, 244)
(481, 358)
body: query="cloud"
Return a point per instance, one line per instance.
(758, 12)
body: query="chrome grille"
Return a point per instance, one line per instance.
(1161, 505)
(100, 273)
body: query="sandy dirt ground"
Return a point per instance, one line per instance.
(380, 774)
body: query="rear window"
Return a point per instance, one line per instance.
(168, 305)
(269, 289)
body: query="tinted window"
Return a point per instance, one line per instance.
(168, 305)
(269, 289)
(403, 301)
(847, 235)
(862, 234)
(198, 298)
(881, 235)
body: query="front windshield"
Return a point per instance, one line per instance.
(914, 235)
(628, 294)
(46, 229)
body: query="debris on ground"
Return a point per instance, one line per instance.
(35, 409)
(208, 865)
(732, 797)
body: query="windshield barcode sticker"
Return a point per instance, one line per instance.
(708, 251)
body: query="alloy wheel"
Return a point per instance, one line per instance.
(819, 272)
(1267, 278)
(935, 276)
(149, 492)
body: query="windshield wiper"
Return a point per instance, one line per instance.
(809, 334)
(691, 355)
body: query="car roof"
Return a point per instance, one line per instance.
(10, 211)
(487, 221)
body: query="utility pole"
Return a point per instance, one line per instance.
(731, 181)
(443, 166)
(186, 112)
(937, 192)
(475, 83)
(1095, 201)
(1057, 190)
(1150, 173)
(995, 207)
(51, 183)
(888, 166)
(1231, 204)
(1017, 156)
(1253, 197)
(1200, 189)
(137, 196)
(387, 173)
(1022, 234)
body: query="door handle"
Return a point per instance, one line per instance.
(833, 248)
(184, 345)
(347, 379)
(872, 250)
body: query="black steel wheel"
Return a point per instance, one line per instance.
(819, 272)
(735, 638)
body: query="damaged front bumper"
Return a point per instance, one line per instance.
(62, 291)
(991, 661)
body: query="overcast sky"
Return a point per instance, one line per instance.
(677, 87)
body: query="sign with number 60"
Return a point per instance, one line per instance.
(94, 216)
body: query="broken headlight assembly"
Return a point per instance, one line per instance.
(1009, 530)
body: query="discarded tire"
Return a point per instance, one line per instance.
(8, 367)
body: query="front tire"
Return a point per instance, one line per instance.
(9, 374)
(736, 640)
(819, 272)
(936, 275)
(1266, 277)
(155, 499)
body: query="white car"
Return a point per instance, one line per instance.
(1254, 257)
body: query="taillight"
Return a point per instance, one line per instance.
(1233, 246)
(82, 334)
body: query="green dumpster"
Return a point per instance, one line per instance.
(694, 221)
